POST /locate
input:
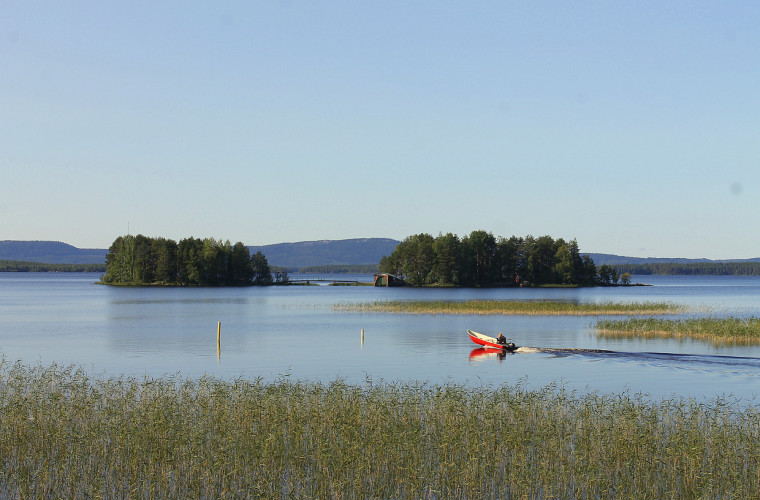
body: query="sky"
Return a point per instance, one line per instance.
(631, 126)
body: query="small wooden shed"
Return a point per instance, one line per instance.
(386, 279)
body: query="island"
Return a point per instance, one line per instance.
(482, 260)
(144, 261)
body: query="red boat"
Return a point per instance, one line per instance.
(487, 341)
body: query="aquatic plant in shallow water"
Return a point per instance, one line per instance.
(65, 434)
(513, 307)
(718, 330)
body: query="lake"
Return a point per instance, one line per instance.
(294, 331)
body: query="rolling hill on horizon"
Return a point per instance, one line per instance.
(610, 259)
(355, 251)
(50, 252)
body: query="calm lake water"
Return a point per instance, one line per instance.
(295, 332)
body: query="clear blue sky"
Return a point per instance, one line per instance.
(631, 126)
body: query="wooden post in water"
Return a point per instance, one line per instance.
(362, 336)
(218, 338)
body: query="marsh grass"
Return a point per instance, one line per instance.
(64, 434)
(512, 307)
(718, 330)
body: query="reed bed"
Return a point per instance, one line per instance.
(719, 330)
(512, 307)
(64, 434)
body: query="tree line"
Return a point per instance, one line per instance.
(39, 267)
(693, 268)
(340, 269)
(193, 261)
(481, 259)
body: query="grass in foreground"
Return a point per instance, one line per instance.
(66, 435)
(513, 307)
(719, 330)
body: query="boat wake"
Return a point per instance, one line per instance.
(705, 360)
(528, 349)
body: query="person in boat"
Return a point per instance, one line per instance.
(501, 339)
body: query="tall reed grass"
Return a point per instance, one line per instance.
(64, 434)
(719, 330)
(512, 307)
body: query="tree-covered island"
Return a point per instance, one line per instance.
(480, 259)
(141, 260)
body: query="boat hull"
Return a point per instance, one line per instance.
(491, 342)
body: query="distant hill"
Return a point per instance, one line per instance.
(357, 251)
(601, 259)
(50, 252)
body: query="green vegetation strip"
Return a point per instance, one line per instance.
(512, 307)
(37, 267)
(67, 435)
(731, 329)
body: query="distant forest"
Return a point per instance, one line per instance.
(481, 259)
(341, 269)
(693, 268)
(37, 267)
(140, 260)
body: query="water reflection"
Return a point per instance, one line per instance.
(268, 332)
(734, 364)
(482, 353)
(183, 300)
